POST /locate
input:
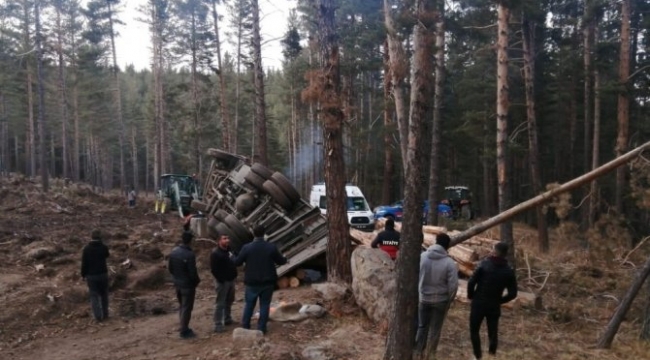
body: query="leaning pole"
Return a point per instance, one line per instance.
(547, 196)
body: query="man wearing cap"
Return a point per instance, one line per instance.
(182, 266)
(437, 286)
(95, 272)
(485, 289)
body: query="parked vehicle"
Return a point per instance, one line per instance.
(178, 191)
(459, 199)
(396, 211)
(359, 214)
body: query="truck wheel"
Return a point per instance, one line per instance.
(277, 194)
(262, 171)
(223, 229)
(466, 212)
(212, 230)
(199, 205)
(243, 235)
(255, 180)
(221, 215)
(283, 183)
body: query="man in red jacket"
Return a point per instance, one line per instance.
(388, 239)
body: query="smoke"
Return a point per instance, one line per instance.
(307, 165)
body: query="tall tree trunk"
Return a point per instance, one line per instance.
(389, 127)
(195, 99)
(488, 184)
(338, 246)
(30, 159)
(260, 104)
(223, 107)
(117, 96)
(623, 100)
(76, 144)
(528, 28)
(399, 344)
(41, 99)
(588, 36)
(235, 137)
(436, 132)
(594, 199)
(503, 104)
(63, 108)
(399, 68)
(134, 158)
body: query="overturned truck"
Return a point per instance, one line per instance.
(238, 195)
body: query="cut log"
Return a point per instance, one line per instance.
(525, 299)
(294, 282)
(300, 274)
(463, 254)
(364, 238)
(434, 230)
(283, 282)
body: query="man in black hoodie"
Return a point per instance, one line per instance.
(224, 272)
(260, 276)
(95, 272)
(182, 266)
(485, 289)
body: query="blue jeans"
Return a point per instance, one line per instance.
(252, 293)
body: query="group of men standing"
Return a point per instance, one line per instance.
(260, 277)
(438, 284)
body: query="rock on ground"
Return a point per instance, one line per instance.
(246, 338)
(331, 291)
(373, 283)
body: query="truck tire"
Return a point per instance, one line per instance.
(223, 229)
(277, 195)
(466, 212)
(199, 205)
(262, 171)
(221, 215)
(243, 235)
(283, 183)
(212, 230)
(255, 180)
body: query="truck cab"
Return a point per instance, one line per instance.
(360, 215)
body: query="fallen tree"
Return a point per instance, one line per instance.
(548, 196)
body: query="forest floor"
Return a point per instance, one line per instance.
(45, 314)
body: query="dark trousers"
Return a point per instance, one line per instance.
(431, 317)
(186, 304)
(225, 298)
(98, 289)
(252, 293)
(491, 313)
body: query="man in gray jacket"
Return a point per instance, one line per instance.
(437, 287)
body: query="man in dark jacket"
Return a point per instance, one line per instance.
(388, 239)
(485, 289)
(182, 266)
(95, 272)
(224, 272)
(260, 276)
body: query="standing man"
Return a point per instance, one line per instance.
(485, 289)
(95, 272)
(131, 197)
(182, 266)
(437, 287)
(388, 239)
(224, 272)
(260, 276)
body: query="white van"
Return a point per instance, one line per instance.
(360, 215)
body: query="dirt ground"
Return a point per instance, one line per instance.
(45, 314)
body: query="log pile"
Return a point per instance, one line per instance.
(292, 280)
